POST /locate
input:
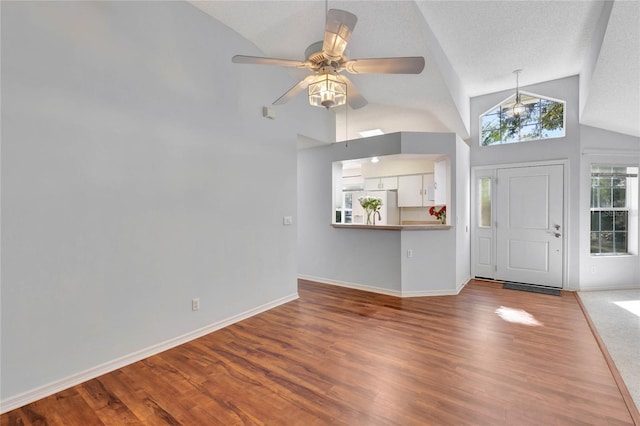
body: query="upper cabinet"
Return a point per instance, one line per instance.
(424, 190)
(381, 184)
(441, 173)
(416, 190)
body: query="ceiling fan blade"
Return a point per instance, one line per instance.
(300, 86)
(406, 65)
(354, 98)
(340, 25)
(242, 59)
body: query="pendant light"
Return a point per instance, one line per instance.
(518, 107)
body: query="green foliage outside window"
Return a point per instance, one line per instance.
(542, 119)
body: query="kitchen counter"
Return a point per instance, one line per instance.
(407, 227)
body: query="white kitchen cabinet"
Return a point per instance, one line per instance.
(416, 190)
(410, 191)
(381, 183)
(441, 172)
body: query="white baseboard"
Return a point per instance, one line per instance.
(379, 290)
(30, 396)
(608, 288)
(463, 284)
(354, 286)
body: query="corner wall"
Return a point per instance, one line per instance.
(353, 257)
(375, 260)
(605, 272)
(463, 214)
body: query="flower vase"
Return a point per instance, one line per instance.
(369, 217)
(443, 219)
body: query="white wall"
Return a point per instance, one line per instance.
(434, 267)
(605, 272)
(376, 259)
(137, 174)
(584, 272)
(463, 213)
(349, 256)
(567, 147)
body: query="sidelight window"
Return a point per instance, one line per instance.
(484, 204)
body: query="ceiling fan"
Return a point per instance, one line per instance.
(327, 87)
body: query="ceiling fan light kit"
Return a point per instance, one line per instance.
(328, 88)
(327, 91)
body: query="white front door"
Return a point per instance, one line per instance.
(529, 235)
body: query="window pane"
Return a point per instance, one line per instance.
(594, 194)
(605, 181)
(506, 110)
(606, 242)
(595, 242)
(348, 200)
(532, 115)
(490, 122)
(619, 197)
(619, 181)
(621, 221)
(620, 242)
(510, 135)
(595, 221)
(490, 137)
(548, 134)
(484, 190)
(530, 132)
(552, 115)
(606, 221)
(604, 196)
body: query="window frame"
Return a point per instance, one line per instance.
(627, 208)
(509, 101)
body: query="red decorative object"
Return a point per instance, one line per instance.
(441, 214)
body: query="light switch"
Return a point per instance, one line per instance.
(287, 220)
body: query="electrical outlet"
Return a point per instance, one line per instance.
(409, 253)
(287, 220)
(195, 304)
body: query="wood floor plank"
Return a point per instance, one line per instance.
(107, 406)
(338, 356)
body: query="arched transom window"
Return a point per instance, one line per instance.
(541, 118)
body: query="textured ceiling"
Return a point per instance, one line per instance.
(471, 49)
(485, 41)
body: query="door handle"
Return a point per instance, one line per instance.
(557, 235)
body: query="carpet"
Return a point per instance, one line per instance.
(615, 316)
(531, 288)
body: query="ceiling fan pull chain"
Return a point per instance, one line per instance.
(346, 116)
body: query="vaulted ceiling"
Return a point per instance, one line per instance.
(471, 49)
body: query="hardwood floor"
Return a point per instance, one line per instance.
(346, 357)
